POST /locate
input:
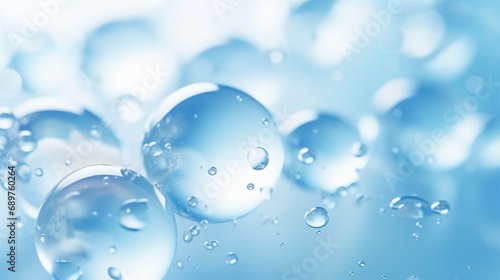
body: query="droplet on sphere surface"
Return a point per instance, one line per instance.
(306, 156)
(258, 158)
(192, 201)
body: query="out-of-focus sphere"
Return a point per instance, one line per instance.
(55, 139)
(210, 142)
(105, 220)
(322, 151)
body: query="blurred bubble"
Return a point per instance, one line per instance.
(147, 71)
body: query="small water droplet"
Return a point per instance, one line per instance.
(67, 162)
(418, 224)
(24, 172)
(416, 235)
(265, 121)
(342, 191)
(67, 271)
(383, 277)
(231, 258)
(441, 207)
(195, 230)
(95, 132)
(438, 221)
(361, 264)
(431, 159)
(133, 215)
(179, 265)
(187, 236)
(39, 172)
(306, 155)
(212, 171)
(239, 98)
(155, 149)
(410, 207)
(316, 217)
(359, 149)
(168, 146)
(258, 158)
(282, 244)
(318, 232)
(192, 201)
(351, 273)
(209, 245)
(250, 187)
(43, 238)
(276, 57)
(266, 193)
(114, 273)
(26, 142)
(112, 250)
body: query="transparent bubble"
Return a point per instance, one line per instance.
(58, 135)
(195, 230)
(320, 148)
(187, 236)
(66, 270)
(316, 217)
(192, 201)
(248, 152)
(135, 217)
(361, 264)
(258, 158)
(7, 119)
(147, 70)
(26, 142)
(306, 156)
(212, 171)
(250, 187)
(114, 273)
(179, 265)
(441, 207)
(432, 139)
(39, 172)
(412, 207)
(231, 258)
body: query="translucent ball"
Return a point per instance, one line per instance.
(102, 221)
(56, 138)
(207, 143)
(430, 130)
(323, 152)
(129, 83)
